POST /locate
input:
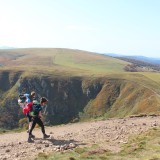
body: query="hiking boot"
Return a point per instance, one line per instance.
(30, 140)
(32, 136)
(46, 136)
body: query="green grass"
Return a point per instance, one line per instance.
(105, 64)
(153, 76)
(150, 80)
(77, 154)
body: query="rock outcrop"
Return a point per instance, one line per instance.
(71, 99)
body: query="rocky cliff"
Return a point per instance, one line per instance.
(73, 99)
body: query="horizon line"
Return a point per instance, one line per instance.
(103, 53)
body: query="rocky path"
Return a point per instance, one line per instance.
(109, 134)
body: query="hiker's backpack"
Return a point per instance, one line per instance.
(31, 108)
(34, 109)
(22, 101)
(28, 108)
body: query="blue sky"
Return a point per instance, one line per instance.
(130, 27)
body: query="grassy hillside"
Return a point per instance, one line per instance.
(51, 58)
(80, 84)
(124, 97)
(71, 98)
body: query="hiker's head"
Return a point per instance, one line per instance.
(43, 101)
(33, 93)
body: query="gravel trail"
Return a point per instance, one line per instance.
(109, 134)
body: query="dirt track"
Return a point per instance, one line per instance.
(108, 134)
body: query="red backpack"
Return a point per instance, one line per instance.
(27, 108)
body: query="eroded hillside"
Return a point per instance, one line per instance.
(76, 98)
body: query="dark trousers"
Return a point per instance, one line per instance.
(38, 121)
(29, 117)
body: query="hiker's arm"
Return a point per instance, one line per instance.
(26, 95)
(28, 100)
(40, 114)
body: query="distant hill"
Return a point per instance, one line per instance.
(113, 54)
(141, 58)
(146, 59)
(6, 47)
(67, 59)
(139, 66)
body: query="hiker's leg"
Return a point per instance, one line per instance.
(30, 125)
(33, 125)
(30, 122)
(40, 123)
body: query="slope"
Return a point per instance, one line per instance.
(79, 85)
(50, 58)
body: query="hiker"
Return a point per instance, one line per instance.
(30, 99)
(26, 101)
(36, 117)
